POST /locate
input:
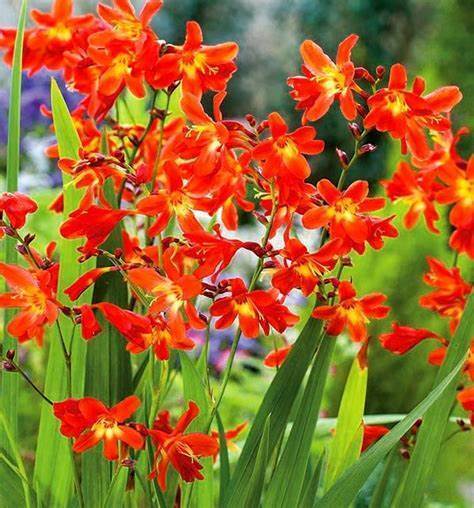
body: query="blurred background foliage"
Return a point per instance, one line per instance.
(433, 38)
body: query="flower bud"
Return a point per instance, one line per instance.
(11, 354)
(380, 71)
(251, 120)
(342, 156)
(367, 148)
(355, 130)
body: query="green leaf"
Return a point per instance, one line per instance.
(385, 488)
(345, 446)
(311, 490)
(108, 367)
(15, 490)
(287, 482)
(278, 401)
(431, 433)
(351, 481)
(10, 384)
(53, 466)
(224, 460)
(251, 494)
(201, 492)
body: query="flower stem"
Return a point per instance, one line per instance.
(29, 381)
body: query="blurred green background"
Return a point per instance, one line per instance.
(433, 38)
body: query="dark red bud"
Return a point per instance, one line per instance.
(251, 120)
(355, 130)
(342, 156)
(367, 148)
(405, 453)
(11, 354)
(380, 71)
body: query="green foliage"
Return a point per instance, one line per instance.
(10, 384)
(53, 465)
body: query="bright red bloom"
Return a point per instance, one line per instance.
(466, 399)
(451, 292)
(143, 332)
(170, 295)
(124, 23)
(325, 81)
(352, 313)
(16, 207)
(462, 239)
(372, 433)
(55, 34)
(34, 293)
(95, 224)
(282, 153)
(406, 114)
(89, 421)
(418, 190)
(345, 212)
(276, 357)
(254, 309)
(171, 200)
(404, 338)
(90, 172)
(302, 269)
(460, 191)
(437, 357)
(182, 450)
(198, 67)
(214, 252)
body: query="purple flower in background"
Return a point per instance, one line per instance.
(35, 92)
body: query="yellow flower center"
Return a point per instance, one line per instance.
(60, 32)
(465, 191)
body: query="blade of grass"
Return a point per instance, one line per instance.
(53, 475)
(287, 482)
(278, 401)
(345, 446)
(432, 431)
(10, 384)
(310, 492)
(224, 466)
(345, 489)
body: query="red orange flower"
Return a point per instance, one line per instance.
(372, 433)
(450, 294)
(182, 450)
(32, 292)
(345, 212)
(283, 152)
(418, 190)
(254, 310)
(302, 269)
(276, 357)
(404, 338)
(325, 81)
(89, 421)
(16, 206)
(197, 66)
(352, 313)
(406, 114)
(466, 399)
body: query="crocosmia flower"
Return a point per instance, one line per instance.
(276, 357)
(404, 338)
(406, 113)
(344, 212)
(372, 433)
(254, 309)
(199, 67)
(181, 450)
(352, 313)
(16, 206)
(325, 81)
(32, 292)
(283, 151)
(89, 421)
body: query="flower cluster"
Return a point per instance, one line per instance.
(173, 191)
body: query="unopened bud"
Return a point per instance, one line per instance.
(11, 354)
(28, 238)
(203, 317)
(342, 156)
(22, 250)
(355, 130)
(380, 71)
(405, 453)
(367, 148)
(251, 120)
(9, 231)
(7, 366)
(118, 252)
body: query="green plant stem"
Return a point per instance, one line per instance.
(29, 381)
(160, 141)
(238, 332)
